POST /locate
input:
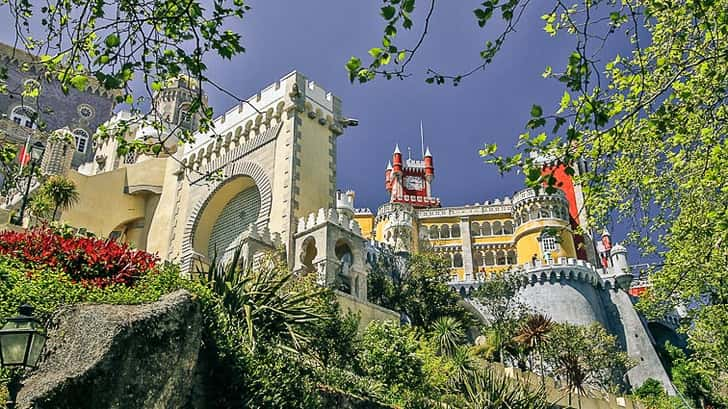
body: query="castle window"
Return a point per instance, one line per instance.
(500, 258)
(475, 229)
(548, 244)
(85, 111)
(497, 229)
(488, 259)
(434, 232)
(511, 257)
(508, 227)
(445, 231)
(455, 230)
(485, 229)
(457, 260)
(544, 213)
(82, 138)
(477, 259)
(24, 116)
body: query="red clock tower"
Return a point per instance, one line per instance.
(410, 181)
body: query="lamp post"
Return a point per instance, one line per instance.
(36, 154)
(21, 342)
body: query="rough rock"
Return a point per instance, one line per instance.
(119, 356)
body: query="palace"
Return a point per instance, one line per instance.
(265, 178)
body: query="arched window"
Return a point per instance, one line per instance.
(445, 231)
(543, 213)
(511, 257)
(455, 230)
(185, 116)
(477, 259)
(497, 229)
(508, 227)
(475, 229)
(485, 229)
(500, 258)
(488, 259)
(448, 258)
(534, 213)
(457, 260)
(434, 232)
(82, 138)
(24, 116)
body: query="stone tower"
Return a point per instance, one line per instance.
(173, 103)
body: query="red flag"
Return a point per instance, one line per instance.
(23, 156)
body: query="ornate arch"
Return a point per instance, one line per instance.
(231, 171)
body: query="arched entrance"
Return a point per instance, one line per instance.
(228, 212)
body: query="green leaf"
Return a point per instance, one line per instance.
(536, 111)
(388, 12)
(80, 82)
(112, 41)
(375, 52)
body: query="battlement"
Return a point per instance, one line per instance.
(323, 216)
(417, 200)
(529, 196)
(267, 103)
(363, 211)
(497, 207)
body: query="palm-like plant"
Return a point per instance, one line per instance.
(575, 373)
(448, 333)
(262, 303)
(464, 365)
(62, 192)
(533, 334)
(489, 390)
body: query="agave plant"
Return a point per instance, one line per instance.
(464, 365)
(448, 333)
(262, 303)
(488, 390)
(533, 334)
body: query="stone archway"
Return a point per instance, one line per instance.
(243, 180)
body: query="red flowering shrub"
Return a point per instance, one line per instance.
(85, 259)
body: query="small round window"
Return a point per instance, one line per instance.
(86, 111)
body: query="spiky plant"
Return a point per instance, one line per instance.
(464, 365)
(533, 334)
(487, 389)
(571, 366)
(447, 333)
(262, 304)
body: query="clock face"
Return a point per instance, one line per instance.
(414, 183)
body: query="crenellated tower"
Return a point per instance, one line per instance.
(410, 181)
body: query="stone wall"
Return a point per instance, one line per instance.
(367, 311)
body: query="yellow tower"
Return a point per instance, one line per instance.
(542, 233)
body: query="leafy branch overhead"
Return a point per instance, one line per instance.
(126, 46)
(642, 130)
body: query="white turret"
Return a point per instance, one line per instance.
(345, 203)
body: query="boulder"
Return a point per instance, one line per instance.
(119, 356)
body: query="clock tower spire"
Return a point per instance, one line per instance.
(410, 181)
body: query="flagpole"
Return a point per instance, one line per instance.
(422, 140)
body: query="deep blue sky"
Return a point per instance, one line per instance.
(317, 37)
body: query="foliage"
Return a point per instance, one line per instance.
(112, 46)
(382, 283)
(89, 260)
(424, 295)
(487, 389)
(503, 313)
(697, 381)
(641, 129)
(585, 356)
(61, 191)
(533, 334)
(41, 206)
(389, 355)
(262, 303)
(447, 333)
(653, 396)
